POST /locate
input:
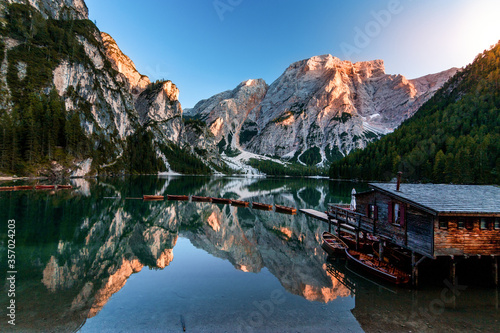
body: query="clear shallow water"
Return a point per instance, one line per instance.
(88, 260)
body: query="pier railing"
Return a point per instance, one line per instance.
(342, 214)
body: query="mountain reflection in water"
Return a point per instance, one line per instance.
(76, 249)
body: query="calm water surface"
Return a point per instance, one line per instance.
(89, 260)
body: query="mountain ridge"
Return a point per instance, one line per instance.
(322, 106)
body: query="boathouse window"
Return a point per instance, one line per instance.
(443, 224)
(497, 223)
(469, 224)
(373, 212)
(460, 224)
(484, 224)
(397, 213)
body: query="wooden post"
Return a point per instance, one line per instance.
(329, 225)
(357, 239)
(414, 270)
(453, 270)
(380, 250)
(495, 270)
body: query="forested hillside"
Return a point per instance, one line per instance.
(64, 102)
(39, 128)
(453, 138)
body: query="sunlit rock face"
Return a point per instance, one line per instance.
(115, 282)
(322, 103)
(124, 65)
(224, 113)
(159, 109)
(333, 105)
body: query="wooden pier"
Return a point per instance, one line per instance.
(315, 214)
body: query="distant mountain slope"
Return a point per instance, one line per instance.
(454, 137)
(318, 110)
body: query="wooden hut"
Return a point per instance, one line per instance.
(429, 220)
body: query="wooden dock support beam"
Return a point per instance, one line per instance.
(495, 270)
(381, 250)
(414, 268)
(453, 270)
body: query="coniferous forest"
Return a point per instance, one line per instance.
(453, 138)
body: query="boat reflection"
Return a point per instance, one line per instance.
(381, 307)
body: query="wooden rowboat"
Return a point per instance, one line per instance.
(261, 206)
(178, 197)
(286, 210)
(201, 199)
(45, 187)
(377, 268)
(7, 188)
(23, 188)
(64, 187)
(333, 245)
(365, 245)
(397, 257)
(222, 201)
(153, 197)
(239, 203)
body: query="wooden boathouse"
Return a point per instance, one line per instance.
(427, 221)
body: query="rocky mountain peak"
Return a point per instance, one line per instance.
(158, 106)
(321, 62)
(58, 9)
(370, 68)
(322, 106)
(123, 64)
(225, 112)
(171, 90)
(318, 65)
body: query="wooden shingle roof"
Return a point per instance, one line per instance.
(441, 198)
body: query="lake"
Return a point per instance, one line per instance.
(97, 259)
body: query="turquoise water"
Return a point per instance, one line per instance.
(90, 260)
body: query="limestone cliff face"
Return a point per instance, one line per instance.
(99, 90)
(225, 113)
(321, 105)
(122, 63)
(58, 9)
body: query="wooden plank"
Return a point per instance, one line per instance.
(315, 214)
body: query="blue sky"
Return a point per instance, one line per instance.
(208, 46)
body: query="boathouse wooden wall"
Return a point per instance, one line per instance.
(416, 233)
(462, 241)
(420, 230)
